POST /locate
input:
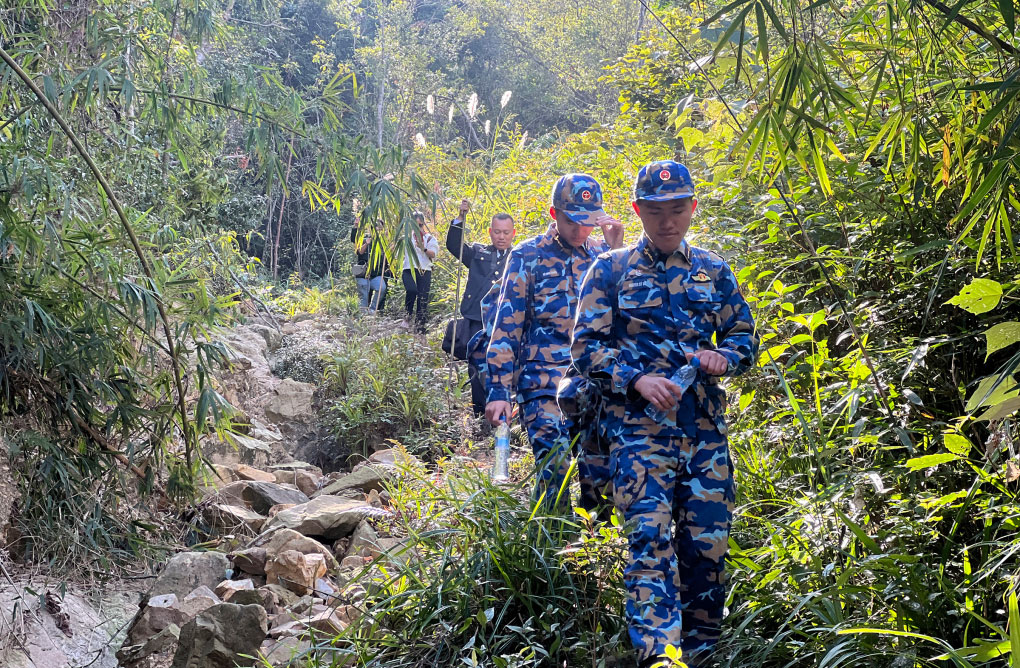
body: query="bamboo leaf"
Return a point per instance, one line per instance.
(1008, 16)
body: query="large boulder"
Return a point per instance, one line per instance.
(245, 472)
(228, 588)
(364, 479)
(286, 651)
(251, 560)
(394, 456)
(288, 539)
(364, 542)
(187, 571)
(221, 636)
(305, 480)
(328, 516)
(228, 519)
(292, 403)
(262, 496)
(295, 571)
(231, 494)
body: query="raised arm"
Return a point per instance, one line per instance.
(462, 250)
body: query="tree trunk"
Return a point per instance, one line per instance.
(381, 104)
(298, 248)
(642, 12)
(279, 220)
(267, 243)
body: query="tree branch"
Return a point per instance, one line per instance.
(190, 442)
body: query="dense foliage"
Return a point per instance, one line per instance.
(857, 162)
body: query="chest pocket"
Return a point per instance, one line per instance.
(638, 295)
(550, 282)
(703, 297)
(551, 305)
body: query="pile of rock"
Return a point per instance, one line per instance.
(273, 596)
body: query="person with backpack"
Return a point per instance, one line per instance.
(370, 269)
(529, 348)
(647, 312)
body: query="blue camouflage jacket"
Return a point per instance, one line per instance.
(641, 310)
(530, 344)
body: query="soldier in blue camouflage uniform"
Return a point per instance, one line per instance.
(529, 347)
(644, 312)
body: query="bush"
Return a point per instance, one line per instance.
(391, 387)
(482, 579)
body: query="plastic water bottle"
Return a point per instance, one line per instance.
(501, 467)
(684, 377)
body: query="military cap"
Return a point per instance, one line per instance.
(579, 196)
(663, 180)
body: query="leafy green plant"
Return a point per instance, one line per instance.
(483, 579)
(389, 388)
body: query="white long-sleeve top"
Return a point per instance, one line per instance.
(430, 243)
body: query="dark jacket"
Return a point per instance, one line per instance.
(485, 266)
(377, 268)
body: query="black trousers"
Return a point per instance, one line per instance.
(417, 289)
(477, 379)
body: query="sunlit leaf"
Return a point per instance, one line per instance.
(980, 296)
(930, 461)
(1001, 336)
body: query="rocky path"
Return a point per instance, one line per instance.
(289, 545)
(273, 595)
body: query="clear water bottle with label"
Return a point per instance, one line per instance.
(501, 467)
(684, 377)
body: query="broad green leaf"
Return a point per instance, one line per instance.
(980, 296)
(930, 461)
(1014, 628)
(1001, 410)
(990, 394)
(1002, 336)
(691, 136)
(957, 444)
(983, 652)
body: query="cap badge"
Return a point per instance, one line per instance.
(586, 195)
(701, 277)
(664, 175)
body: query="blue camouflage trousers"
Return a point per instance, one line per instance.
(676, 495)
(549, 434)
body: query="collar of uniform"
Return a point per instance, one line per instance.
(552, 236)
(655, 255)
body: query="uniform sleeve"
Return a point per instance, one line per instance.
(454, 239)
(592, 349)
(508, 325)
(737, 338)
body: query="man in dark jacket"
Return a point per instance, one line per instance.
(485, 263)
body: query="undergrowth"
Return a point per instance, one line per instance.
(391, 387)
(484, 579)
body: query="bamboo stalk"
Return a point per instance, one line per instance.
(190, 442)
